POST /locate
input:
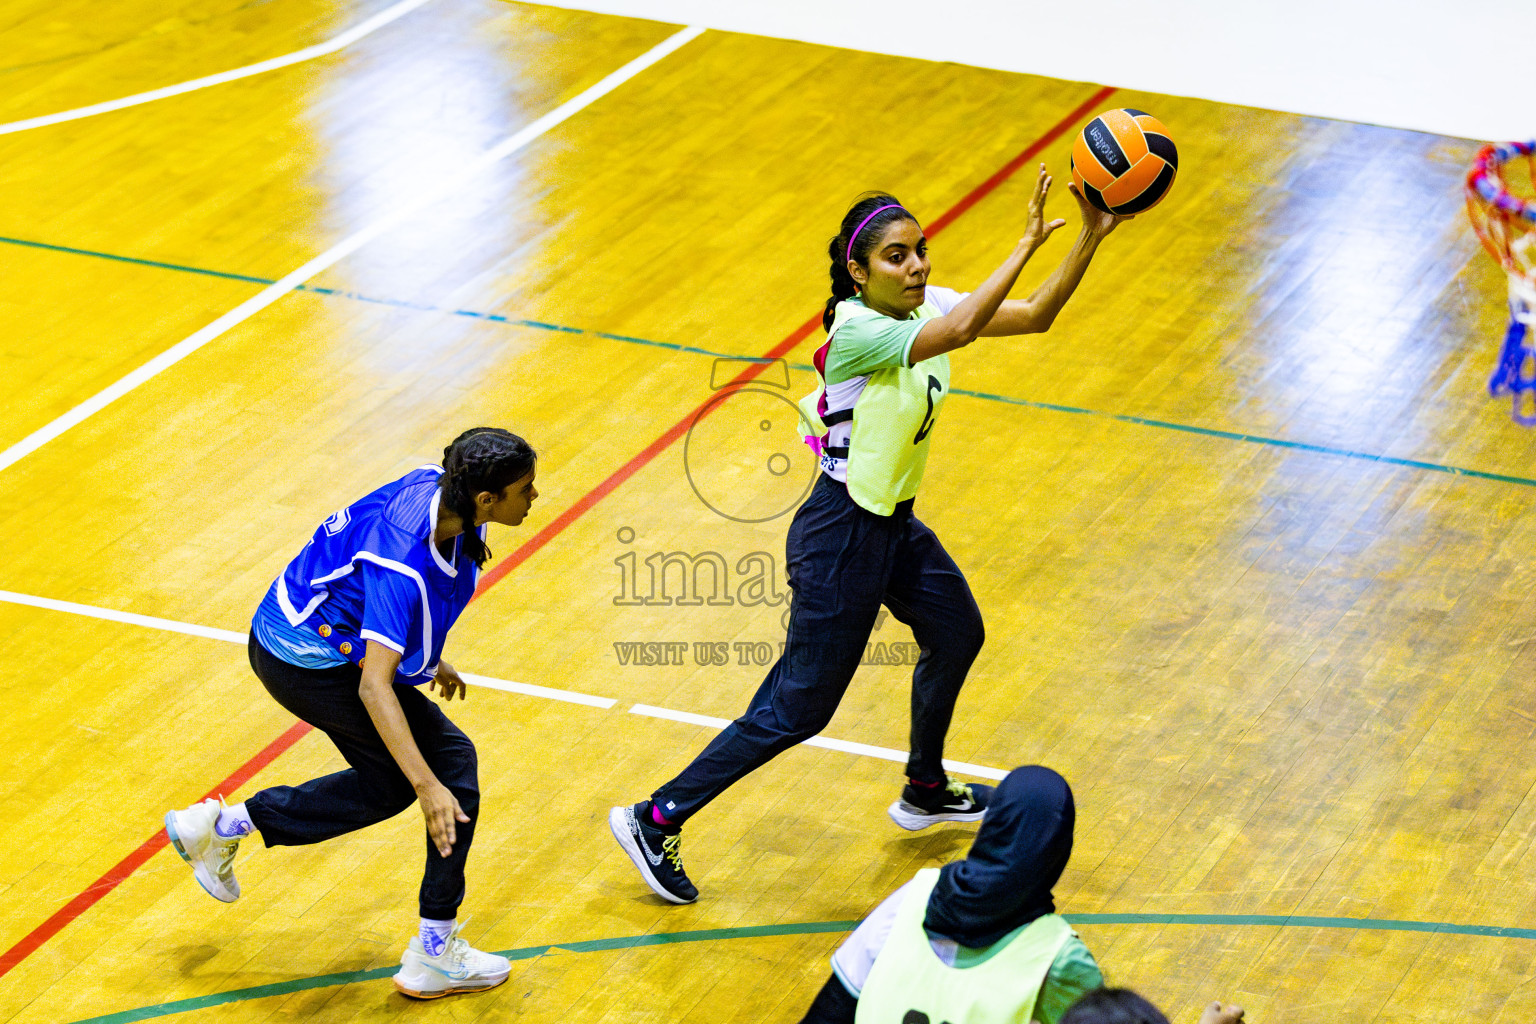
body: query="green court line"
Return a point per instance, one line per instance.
(1273, 442)
(527, 953)
(1294, 921)
(807, 928)
(1228, 435)
(423, 307)
(135, 260)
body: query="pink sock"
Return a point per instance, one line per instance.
(926, 785)
(657, 817)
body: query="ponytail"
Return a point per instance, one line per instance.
(478, 460)
(863, 226)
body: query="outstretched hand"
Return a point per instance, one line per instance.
(1038, 228)
(1095, 221)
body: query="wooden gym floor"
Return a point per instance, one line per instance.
(1251, 542)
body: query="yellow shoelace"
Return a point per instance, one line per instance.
(672, 847)
(960, 789)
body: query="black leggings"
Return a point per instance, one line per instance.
(374, 788)
(844, 563)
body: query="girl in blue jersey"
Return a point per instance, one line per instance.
(344, 640)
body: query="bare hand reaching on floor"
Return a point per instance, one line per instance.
(1221, 1013)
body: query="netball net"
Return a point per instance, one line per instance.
(1501, 203)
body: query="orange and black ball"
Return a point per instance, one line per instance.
(1124, 161)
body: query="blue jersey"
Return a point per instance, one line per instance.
(372, 572)
(297, 645)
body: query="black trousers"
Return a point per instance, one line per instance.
(374, 787)
(845, 562)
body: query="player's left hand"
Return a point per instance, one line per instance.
(1095, 221)
(448, 682)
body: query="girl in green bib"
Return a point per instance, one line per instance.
(855, 544)
(977, 941)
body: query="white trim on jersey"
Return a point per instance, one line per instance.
(368, 634)
(286, 604)
(426, 609)
(347, 569)
(437, 556)
(296, 618)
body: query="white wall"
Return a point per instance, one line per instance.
(1408, 64)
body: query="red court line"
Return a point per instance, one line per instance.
(131, 863)
(682, 426)
(980, 192)
(634, 465)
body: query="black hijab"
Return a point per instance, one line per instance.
(1019, 853)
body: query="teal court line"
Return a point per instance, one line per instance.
(1228, 435)
(359, 297)
(808, 928)
(1273, 442)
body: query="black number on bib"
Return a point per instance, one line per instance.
(915, 1017)
(922, 432)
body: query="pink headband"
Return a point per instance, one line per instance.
(887, 206)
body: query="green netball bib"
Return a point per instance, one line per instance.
(910, 984)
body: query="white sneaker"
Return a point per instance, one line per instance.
(211, 855)
(458, 968)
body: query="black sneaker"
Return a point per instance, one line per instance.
(921, 806)
(657, 854)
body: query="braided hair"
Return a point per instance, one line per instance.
(843, 284)
(481, 459)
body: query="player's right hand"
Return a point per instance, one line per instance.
(1095, 220)
(441, 809)
(1038, 228)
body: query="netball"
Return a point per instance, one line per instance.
(1124, 161)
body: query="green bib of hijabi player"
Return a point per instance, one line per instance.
(909, 984)
(892, 421)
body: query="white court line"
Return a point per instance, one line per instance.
(346, 39)
(846, 746)
(527, 689)
(169, 625)
(229, 636)
(270, 294)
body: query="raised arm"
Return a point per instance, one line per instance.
(1035, 314)
(970, 318)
